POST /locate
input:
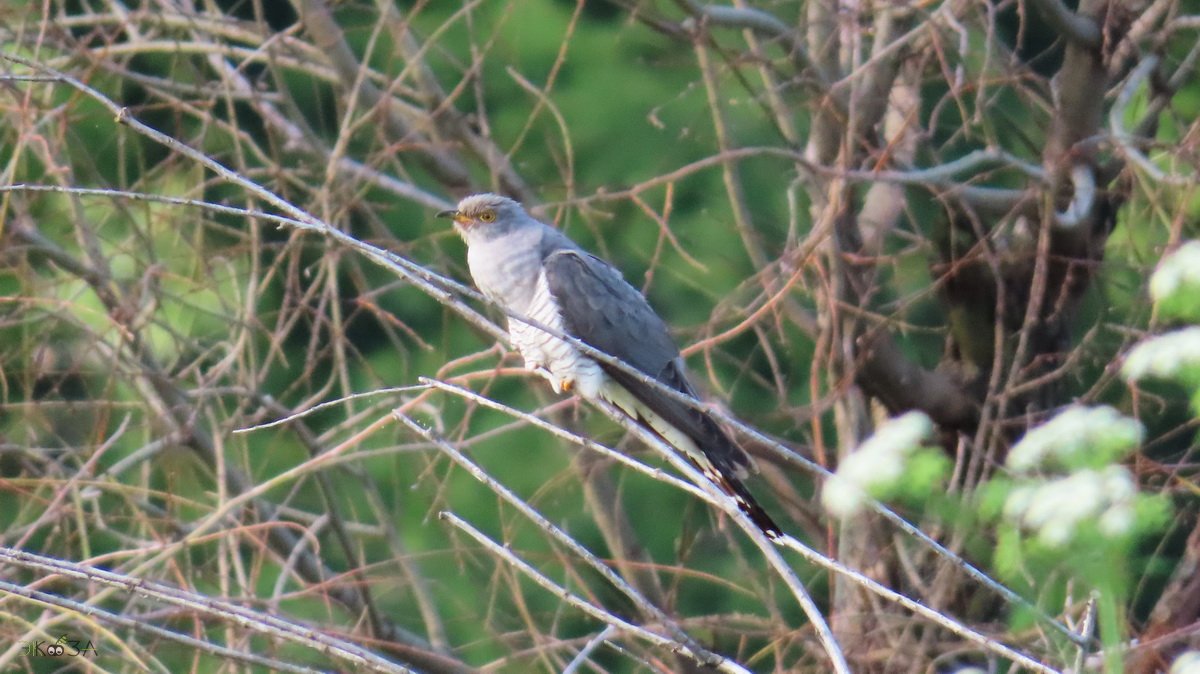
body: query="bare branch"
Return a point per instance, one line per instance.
(265, 624)
(1081, 30)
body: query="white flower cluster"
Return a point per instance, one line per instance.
(1178, 272)
(876, 465)
(1188, 662)
(1055, 508)
(1164, 356)
(1077, 436)
(1086, 440)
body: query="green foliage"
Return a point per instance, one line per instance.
(1175, 286)
(892, 463)
(1174, 356)
(1078, 532)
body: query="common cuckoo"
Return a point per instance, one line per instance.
(537, 272)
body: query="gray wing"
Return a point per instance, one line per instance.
(602, 310)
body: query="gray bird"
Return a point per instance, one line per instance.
(534, 270)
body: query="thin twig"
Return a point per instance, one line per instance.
(273, 626)
(618, 624)
(644, 606)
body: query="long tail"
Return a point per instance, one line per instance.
(725, 464)
(733, 486)
(703, 442)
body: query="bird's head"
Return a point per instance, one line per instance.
(483, 216)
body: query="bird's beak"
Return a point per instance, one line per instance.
(456, 216)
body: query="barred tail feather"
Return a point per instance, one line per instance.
(734, 488)
(721, 461)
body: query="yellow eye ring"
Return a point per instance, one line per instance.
(487, 216)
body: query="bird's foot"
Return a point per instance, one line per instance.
(560, 385)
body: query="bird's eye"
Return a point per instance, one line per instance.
(488, 216)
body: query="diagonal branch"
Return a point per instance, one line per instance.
(1080, 30)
